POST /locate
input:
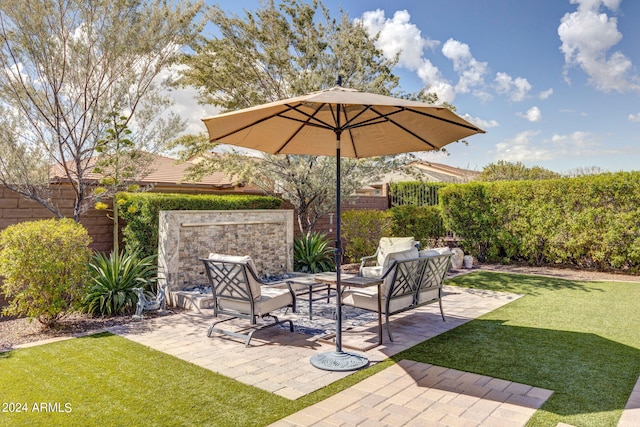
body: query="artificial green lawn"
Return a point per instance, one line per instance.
(579, 339)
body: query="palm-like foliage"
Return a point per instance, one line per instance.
(312, 254)
(113, 280)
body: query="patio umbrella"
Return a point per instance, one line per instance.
(346, 123)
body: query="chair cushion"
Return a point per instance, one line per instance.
(371, 271)
(271, 299)
(253, 284)
(367, 299)
(436, 251)
(389, 245)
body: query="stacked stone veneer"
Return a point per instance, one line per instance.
(186, 236)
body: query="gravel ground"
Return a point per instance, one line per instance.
(20, 331)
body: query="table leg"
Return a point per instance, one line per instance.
(311, 302)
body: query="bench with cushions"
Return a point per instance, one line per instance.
(411, 279)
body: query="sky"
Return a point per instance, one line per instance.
(555, 83)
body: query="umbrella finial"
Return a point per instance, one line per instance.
(339, 81)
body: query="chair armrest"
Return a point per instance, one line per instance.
(366, 259)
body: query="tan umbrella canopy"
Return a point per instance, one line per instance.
(346, 123)
(369, 125)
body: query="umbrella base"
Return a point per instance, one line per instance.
(339, 361)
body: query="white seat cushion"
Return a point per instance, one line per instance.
(271, 299)
(367, 298)
(372, 271)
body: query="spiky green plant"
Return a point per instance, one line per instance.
(113, 279)
(312, 253)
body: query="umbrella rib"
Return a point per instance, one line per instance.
(473, 128)
(304, 123)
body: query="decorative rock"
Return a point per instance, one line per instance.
(456, 260)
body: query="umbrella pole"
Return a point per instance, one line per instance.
(338, 360)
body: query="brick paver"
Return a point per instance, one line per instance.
(430, 405)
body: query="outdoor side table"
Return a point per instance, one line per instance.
(310, 286)
(354, 281)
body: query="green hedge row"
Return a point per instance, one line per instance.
(586, 222)
(141, 211)
(362, 230)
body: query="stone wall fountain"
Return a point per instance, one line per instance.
(186, 236)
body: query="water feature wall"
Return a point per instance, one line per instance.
(186, 236)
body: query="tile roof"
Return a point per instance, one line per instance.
(164, 171)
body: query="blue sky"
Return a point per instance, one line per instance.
(555, 83)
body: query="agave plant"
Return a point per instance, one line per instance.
(312, 253)
(113, 279)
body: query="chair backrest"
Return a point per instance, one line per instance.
(232, 277)
(415, 276)
(403, 277)
(434, 272)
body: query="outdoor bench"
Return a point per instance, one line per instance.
(407, 283)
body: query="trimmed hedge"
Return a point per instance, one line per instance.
(587, 222)
(362, 230)
(142, 211)
(424, 223)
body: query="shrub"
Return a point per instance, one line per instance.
(312, 253)
(44, 265)
(586, 222)
(141, 211)
(424, 223)
(362, 231)
(112, 281)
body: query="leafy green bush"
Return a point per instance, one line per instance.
(44, 265)
(112, 281)
(141, 211)
(586, 222)
(362, 230)
(312, 253)
(424, 223)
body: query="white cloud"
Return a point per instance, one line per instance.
(482, 123)
(546, 94)
(516, 89)
(578, 143)
(634, 117)
(186, 103)
(533, 114)
(470, 70)
(525, 147)
(522, 148)
(587, 37)
(398, 35)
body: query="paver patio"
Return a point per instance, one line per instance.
(278, 361)
(408, 393)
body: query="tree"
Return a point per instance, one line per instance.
(583, 171)
(120, 166)
(307, 182)
(278, 52)
(65, 66)
(507, 171)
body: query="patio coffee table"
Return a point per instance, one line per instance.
(354, 281)
(306, 284)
